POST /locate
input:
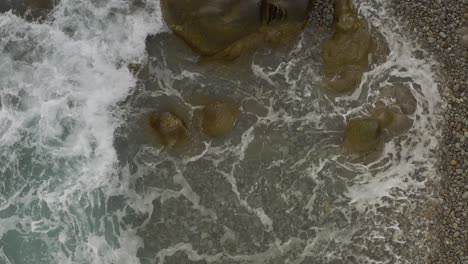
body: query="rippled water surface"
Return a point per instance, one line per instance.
(82, 182)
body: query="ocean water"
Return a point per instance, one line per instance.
(81, 180)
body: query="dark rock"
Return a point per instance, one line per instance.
(363, 136)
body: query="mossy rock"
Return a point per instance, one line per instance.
(345, 55)
(169, 129)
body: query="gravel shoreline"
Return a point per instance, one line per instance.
(441, 27)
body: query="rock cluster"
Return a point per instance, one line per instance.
(226, 30)
(217, 118)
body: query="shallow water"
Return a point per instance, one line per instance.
(81, 181)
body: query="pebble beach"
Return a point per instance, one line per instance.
(441, 28)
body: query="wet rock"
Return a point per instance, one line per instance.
(224, 30)
(345, 55)
(402, 96)
(366, 135)
(392, 120)
(169, 129)
(362, 136)
(32, 10)
(219, 118)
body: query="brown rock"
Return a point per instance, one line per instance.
(169, 129)
(392, 120)
(345, 55)
(362, 136)
(219, 118)
(224, 30)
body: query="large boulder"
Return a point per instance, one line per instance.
(227, 29)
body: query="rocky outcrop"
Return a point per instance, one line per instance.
(225, 30)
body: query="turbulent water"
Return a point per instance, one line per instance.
(82, 182)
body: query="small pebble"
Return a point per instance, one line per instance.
(465, 195)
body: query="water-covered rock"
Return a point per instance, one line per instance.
(218, 118)
(392, 120)
(363, 135)
(345, 55)
(402, 97)
(367, 134)
(224, 30)
(169, 129)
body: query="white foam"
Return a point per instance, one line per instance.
(419, 153)
(70, 76)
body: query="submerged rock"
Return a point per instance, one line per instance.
(345, 55)
(29, 9)
(392, 120)
(402, 96)
(224, 30)
(218, 118)
(362, 136)
(365, 135)
(169, 129)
